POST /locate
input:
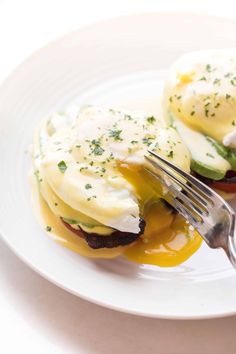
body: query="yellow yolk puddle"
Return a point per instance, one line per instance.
(168, 239)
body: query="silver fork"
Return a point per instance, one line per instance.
(205, 210)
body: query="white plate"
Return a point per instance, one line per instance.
(121, 59)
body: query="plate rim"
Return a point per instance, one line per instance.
(44, 273)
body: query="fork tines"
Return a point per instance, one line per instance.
(187, 194)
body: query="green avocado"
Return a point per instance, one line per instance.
(90, 227)
(207, 159)
(228, 154)
(206, 170)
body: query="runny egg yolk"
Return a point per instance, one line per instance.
(168, 239)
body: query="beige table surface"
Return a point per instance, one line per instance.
(35, 315)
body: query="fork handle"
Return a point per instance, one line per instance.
(231, 251)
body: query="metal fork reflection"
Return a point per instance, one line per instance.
(205, 210)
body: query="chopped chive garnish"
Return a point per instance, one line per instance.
(115, 133)
(216, 82)
(151, 120)
(208, 68)
(62, 166)
(207, 154)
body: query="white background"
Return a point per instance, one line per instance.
(36, 316)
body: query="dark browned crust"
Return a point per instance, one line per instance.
(117, 238)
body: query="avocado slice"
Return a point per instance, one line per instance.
(206, 160)
(89, 227)
(206, 170)
(228, 154)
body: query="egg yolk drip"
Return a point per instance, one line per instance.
(168, 239)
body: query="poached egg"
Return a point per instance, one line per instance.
(201, 91)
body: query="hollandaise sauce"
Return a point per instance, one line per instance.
(168, 239)
(55, 228)
(88, 172)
